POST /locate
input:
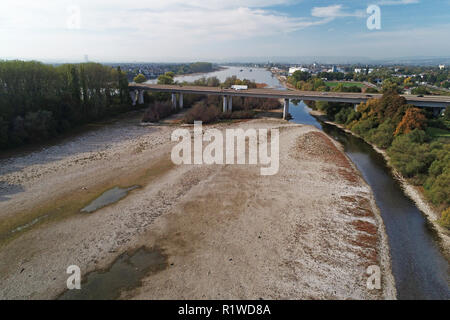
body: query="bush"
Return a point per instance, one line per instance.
(157, 111)
(445, 218)
(363, 126)
(343, 115)
(201, 112)
(420, 90)
(140, 78)
(383, 135)
(244, 114)
(371, 90)
(410, 155)
(270, 104)
(3, 133)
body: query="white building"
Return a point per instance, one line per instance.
(441, 66)
(293, 69)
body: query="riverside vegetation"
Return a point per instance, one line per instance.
(417, 143)
(40, 101)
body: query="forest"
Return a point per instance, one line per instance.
(40, 101)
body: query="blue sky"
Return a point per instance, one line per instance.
(180, 30)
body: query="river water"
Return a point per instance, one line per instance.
(420, 269)
(255, 74)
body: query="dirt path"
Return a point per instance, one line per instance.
(227, 232)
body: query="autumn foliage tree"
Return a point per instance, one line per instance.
(413, 119)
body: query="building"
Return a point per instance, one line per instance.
(293, 69)
(441, 66)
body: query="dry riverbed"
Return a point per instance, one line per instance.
(212, 231)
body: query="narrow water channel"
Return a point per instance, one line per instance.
(420, 269)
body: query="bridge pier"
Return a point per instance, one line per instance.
(174, 100)
(141, 97)
(355, 106)
(230, 103)
(286, 109)
(180, 100)
(225, 104)
(133, 96)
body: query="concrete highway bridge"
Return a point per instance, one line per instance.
(438, 103)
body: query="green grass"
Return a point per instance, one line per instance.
(438, 133)
(333, 84)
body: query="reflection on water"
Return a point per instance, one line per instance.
(107, 198)
(125, 273)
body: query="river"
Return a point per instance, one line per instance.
(255, 74)
(420, 269)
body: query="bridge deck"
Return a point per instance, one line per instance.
(425, 101)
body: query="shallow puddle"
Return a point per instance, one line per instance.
(108, 197)
(124, 274)
(29, 224)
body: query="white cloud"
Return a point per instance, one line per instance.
(396, 2)
(156, 20)
(334, 11)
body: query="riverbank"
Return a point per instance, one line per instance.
(224, 231)
(431, 214)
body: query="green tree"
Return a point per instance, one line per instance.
(166, 78)
(140, 78)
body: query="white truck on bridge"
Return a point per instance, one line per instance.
(239, 87)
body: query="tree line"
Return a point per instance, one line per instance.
(40, 101)
(407, 133)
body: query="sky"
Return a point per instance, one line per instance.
(220, 30)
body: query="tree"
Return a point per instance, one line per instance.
(166, 78)
(420, 90)
(371, 90)
(123, 86)
(409, 155)
(413, 119)
(390, 86)
(38, 101)
(447, 113)
(140, 78)
(301, 75)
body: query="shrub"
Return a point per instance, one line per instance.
(410, 155)
(242, 114)
(371, 90)
(39, 125)
(3, 133)
(383, 135)
(201, 112)
(157, 111)
(445, 218)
